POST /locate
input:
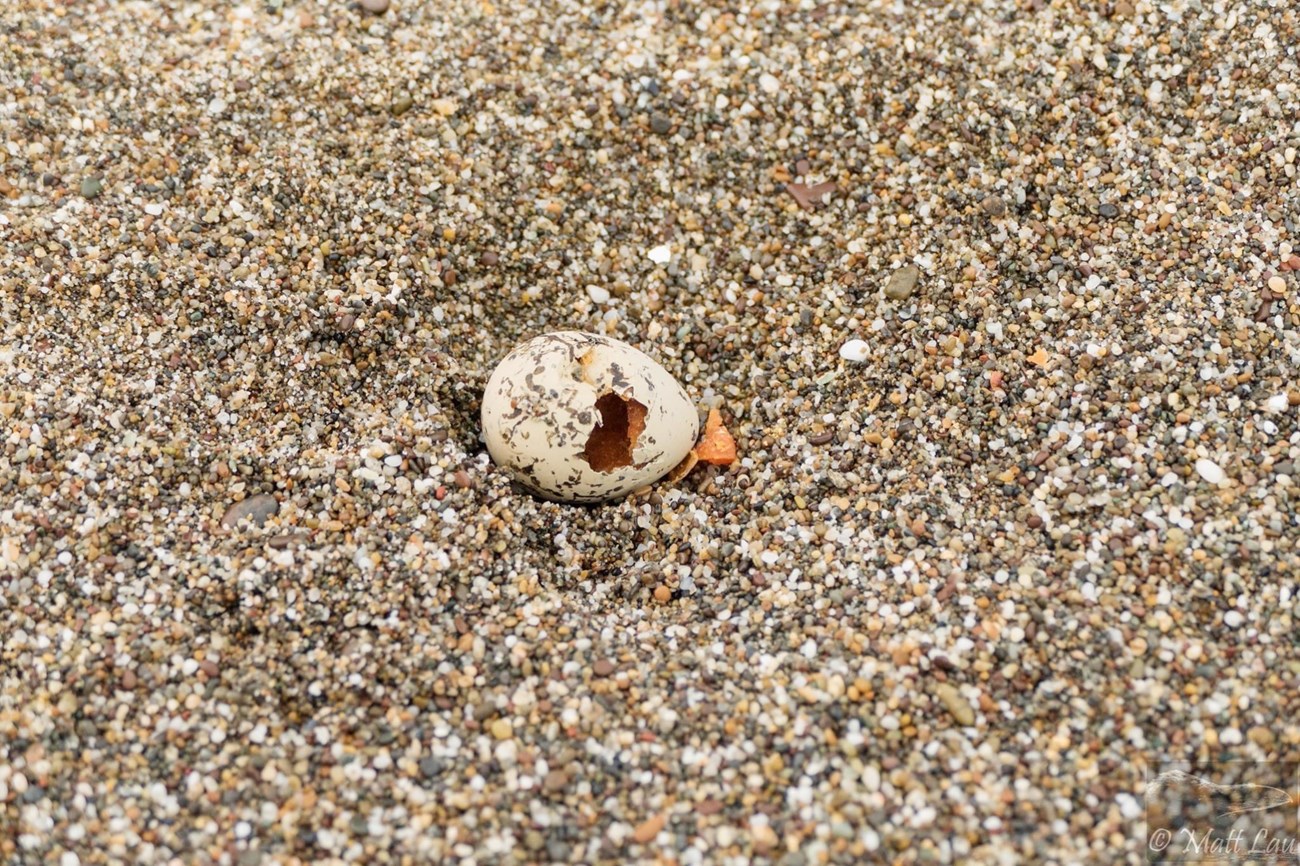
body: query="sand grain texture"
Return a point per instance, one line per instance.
(275, 249)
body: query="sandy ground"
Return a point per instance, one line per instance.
(999, 300)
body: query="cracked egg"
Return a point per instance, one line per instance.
(578, 417)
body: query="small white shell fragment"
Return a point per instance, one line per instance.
(661, 254)
(1277, 403)
(855, 351)
(578, 417)
(1210, 471)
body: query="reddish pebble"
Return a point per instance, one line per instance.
(440, 494)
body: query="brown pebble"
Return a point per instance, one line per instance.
(994, 206)
(489, 259)
(821, 438)
(255, 508)
(648, 829)
(556, 780)
(663, 593)
(129, 680)
(902, 282)
(810, 197)
(603, 668)
(243, 85)
(708, 807)
(462, 479)
(280, 542)
(1035, 522)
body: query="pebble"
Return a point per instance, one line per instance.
(375, 7)
(1210, 471)
(955, 704)
(91, 187)
(902, 283)
(764, 837)
(648, 829)
(255, 509)
(855, 351)
(660, 124)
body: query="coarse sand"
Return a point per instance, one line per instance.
(999, 300)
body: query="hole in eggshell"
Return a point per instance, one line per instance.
(610, 444)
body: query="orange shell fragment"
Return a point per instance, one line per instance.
(717, 445)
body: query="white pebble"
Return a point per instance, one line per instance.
(507, 753)
(1276, 403)
(154, 208)
(1129, 808)
(1230, 736)
(1233, 619)
(598, 294)
(68, 858)
(1210, 471)
(769, 83)
(855, 351)
(661, 254)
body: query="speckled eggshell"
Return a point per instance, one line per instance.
(544, 427)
